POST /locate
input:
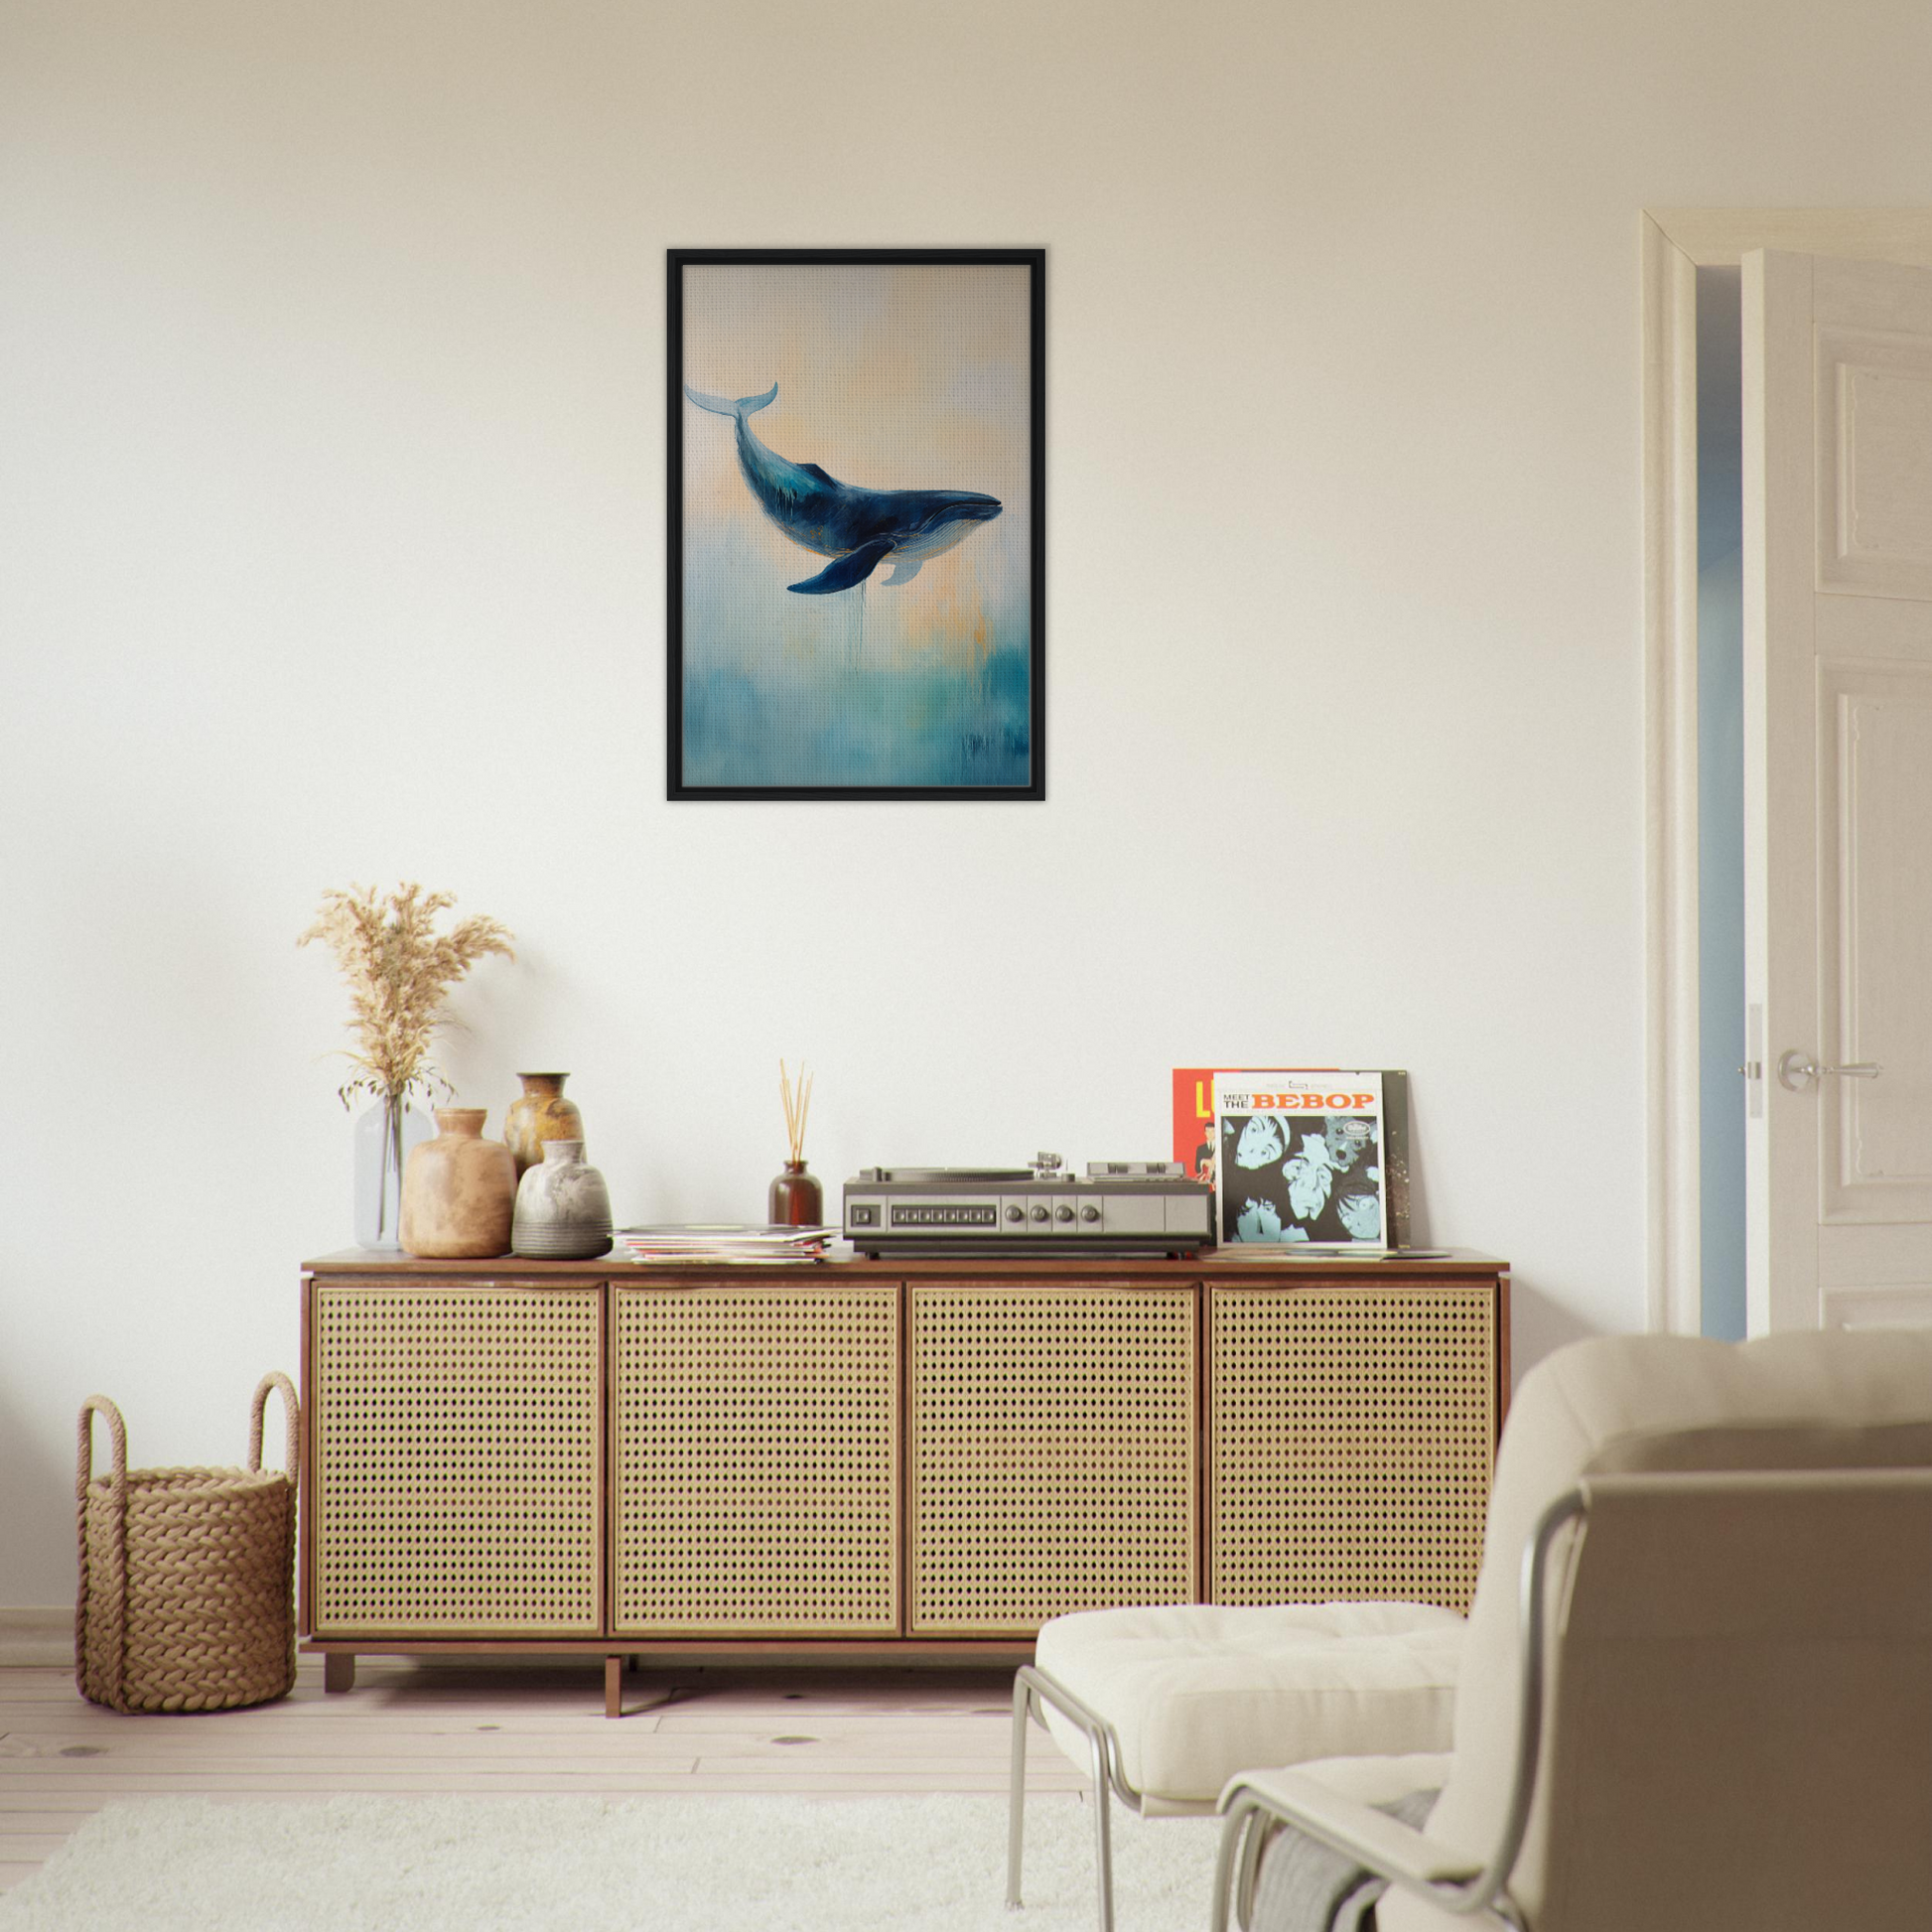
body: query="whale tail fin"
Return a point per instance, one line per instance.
(724, 406)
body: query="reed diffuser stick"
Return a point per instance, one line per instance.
(797, 1105)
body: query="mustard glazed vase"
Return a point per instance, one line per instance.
(540, 1113)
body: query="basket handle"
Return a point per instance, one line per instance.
(291, 1409)
(112, 1638)
(118, 1433)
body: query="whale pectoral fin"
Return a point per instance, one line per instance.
(905, 569)
(813, 469)
(843, 572)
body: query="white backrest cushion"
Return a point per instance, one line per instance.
(1660, 1402)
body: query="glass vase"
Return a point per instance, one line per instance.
(384, 1135)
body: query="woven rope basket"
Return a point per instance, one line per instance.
(186, 1576)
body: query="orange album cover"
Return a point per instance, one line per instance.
(1194, 1113)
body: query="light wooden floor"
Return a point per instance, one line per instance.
(509, 1728)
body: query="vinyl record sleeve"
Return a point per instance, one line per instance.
(1195, 1143)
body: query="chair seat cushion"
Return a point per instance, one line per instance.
(1198, 1691)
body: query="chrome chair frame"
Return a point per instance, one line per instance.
(1032, 1688)
(1253, 1816)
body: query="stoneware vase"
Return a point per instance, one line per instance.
(795, 1199)
(459, 1191)
(385, 1137)
(541, 1114)
(563, 1208)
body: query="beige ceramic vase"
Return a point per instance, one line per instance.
(459, 1191)
(541, 1114)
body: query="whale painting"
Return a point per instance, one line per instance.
(855, 542)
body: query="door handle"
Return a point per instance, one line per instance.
(1797, 1070)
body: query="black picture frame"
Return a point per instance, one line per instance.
(698, 584)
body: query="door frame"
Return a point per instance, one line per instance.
(1676, 242)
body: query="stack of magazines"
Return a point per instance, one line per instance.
(731, 1241)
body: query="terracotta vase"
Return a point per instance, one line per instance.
(563, 1208)
(795, 1199)
(541, 1114)
(459, 1191)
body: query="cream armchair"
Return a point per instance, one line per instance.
(1696, 1692)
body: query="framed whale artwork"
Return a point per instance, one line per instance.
(857, 525)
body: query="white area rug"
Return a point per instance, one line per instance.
(764, 1863)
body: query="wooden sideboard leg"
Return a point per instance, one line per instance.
(614, 1687)
(339, 1670)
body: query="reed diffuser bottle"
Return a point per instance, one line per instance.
(795, 1199)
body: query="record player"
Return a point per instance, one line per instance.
(1131, 1207)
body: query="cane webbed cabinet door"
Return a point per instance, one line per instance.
(1052, 1440)
(756, 1456)
(1351, 1437)
(456, 1458)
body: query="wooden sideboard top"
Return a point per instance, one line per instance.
(1219, 1265)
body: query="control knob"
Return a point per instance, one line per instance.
(1062, 1213)
(1090, 1212)
(1040, 1214)
(1014, 1212)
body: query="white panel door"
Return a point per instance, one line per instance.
(1838, 776)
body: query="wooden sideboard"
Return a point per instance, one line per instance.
(879, 1460)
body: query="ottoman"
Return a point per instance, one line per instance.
(1163, 1706)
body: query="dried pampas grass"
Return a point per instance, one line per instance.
(398, 969)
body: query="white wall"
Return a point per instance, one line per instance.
(331, 450)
